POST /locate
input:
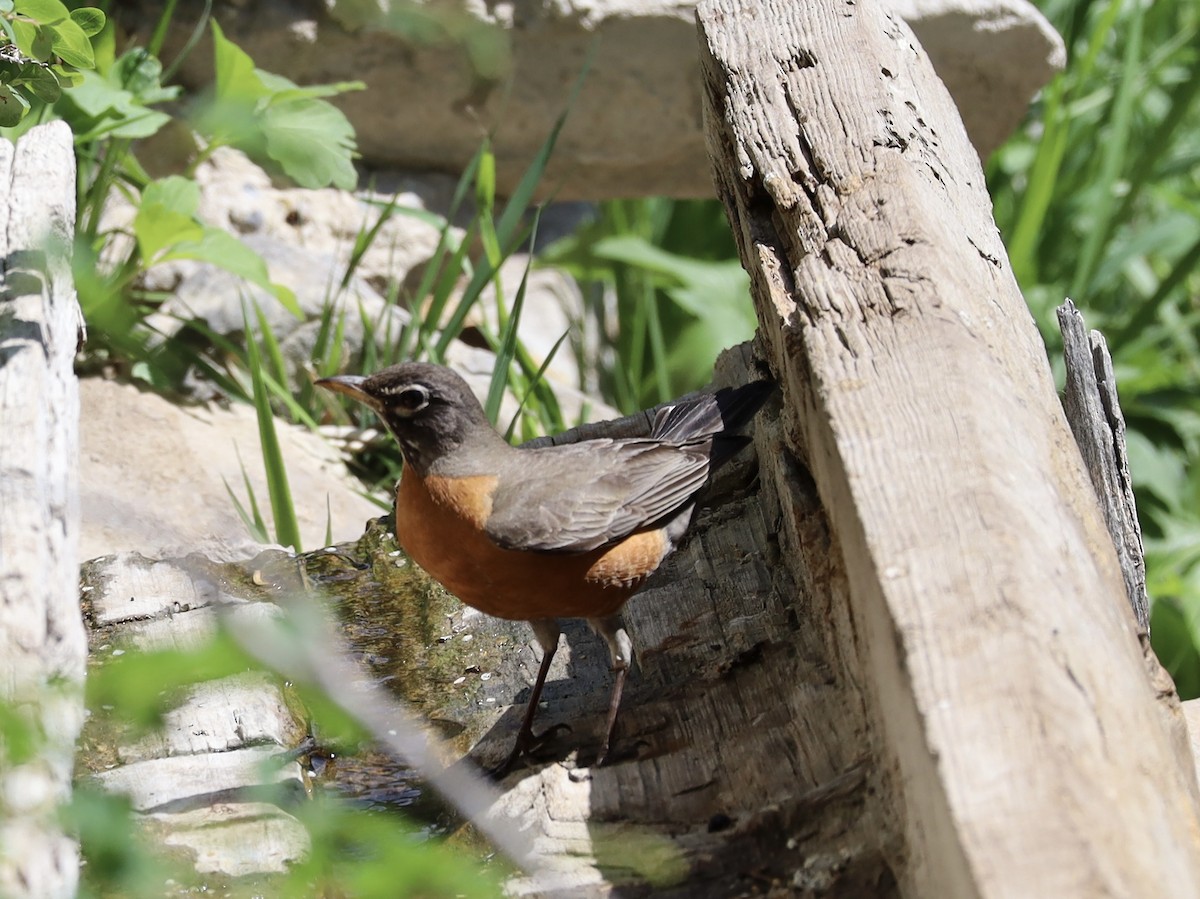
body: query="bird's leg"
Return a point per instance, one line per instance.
(620, 649)
(546, 631)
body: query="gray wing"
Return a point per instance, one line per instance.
(590, 494)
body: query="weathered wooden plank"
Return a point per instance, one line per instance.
(41, 634)
(1094, 414)
(987, 625)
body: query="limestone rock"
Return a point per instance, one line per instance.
(153, 475)
(305, 238)
(635, 129)
(216, 779)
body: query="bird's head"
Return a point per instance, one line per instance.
(429, 408)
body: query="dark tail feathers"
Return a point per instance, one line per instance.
(719, 414)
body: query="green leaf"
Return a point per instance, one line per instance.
(222, 249)
(20, 736)
(1157, 468)
(1175, 644)
(41, 82)
(140, 73)
(312, 141)
(287, 529)
(43, 11)
(714, 296)
(41, 42)
(122, 682)
(66, 77)
(236, 78)
(278, 123)
(282, 88)
(89, 19)
(174, 192)
(73, 46)
(13, 106)
(96, 97)
(166, 228)
(117, 860)
(96, 107)
(166, 216)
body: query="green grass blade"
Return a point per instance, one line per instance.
(270, 345)
(1113, 154)
(325, 328)
(482, 274)
(508, 344)
(485, 204)
(363, 240)
(440, 275)
(536, 383)
(257, 533)
(509, 231)
(658, 349)
(299, 414)
(1146, 313)
(1046, 174)
(433, 278)
(252, 517)
(370, 343)
(287, 529)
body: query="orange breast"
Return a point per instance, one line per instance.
(440, 524)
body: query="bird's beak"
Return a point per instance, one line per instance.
(351, 386)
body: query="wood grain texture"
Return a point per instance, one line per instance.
(1094, 414)
(41, 633)
(987, 624)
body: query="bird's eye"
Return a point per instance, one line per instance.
(412, 399)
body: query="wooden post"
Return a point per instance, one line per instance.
(1018, 746)
(42, 645)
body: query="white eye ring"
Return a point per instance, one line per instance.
(410, 399)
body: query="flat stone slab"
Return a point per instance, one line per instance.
(156, 784)
(153, 476)
(216, 778)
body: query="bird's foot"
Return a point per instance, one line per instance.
(527, 743)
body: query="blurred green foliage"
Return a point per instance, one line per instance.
(1098, 198)
(371, 855)
(669, 269)
(42, 50)
(115, 100)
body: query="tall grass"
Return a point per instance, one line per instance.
(465, 266)
(667, 291)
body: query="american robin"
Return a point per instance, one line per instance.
(546, 532)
